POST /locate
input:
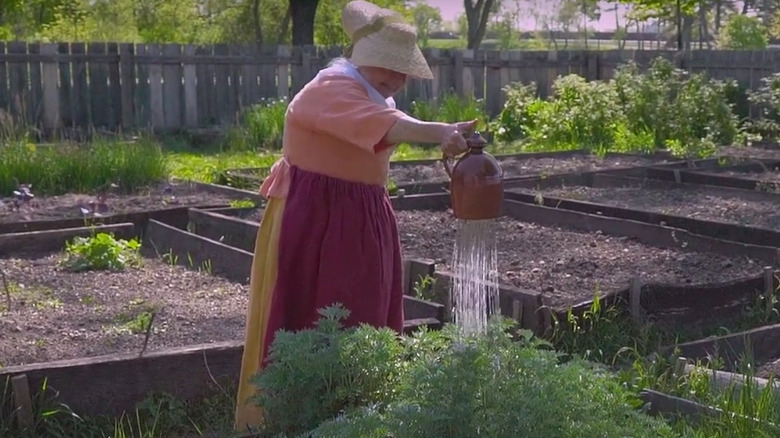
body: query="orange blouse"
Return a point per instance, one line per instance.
(333, 127)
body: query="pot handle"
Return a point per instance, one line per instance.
(446, 161)
(447, 167)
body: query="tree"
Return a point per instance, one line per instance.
(477, 15)
(743, 32)
(303, 13)
(426, 18)
(666, 9)
(328, 30)
(547, 19)
(590, 10)
(567, 17)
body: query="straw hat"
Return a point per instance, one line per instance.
(382, 38)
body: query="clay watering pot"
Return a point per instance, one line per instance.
(476, 182)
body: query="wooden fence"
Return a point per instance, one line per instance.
(169, 87)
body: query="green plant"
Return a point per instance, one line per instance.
(242, 203)
(686, 113)
(101, 251)
(451, 108)
(317, 373)
(367, 382)
(517, 117)
(392, 187)
(582, 115)
(82, 168)
(260, 127)
(423, 287)
(599, 333)
(767, 99)
(495, 385)
(743, 32)
(661, 108)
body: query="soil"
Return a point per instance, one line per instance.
(772, 176)
(749, 152)
(516, 167)
(768, 370)
(568, 266)
(74, 205)
(56, 314)
(565, 265)
(696, 203)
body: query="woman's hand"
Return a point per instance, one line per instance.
(453, 141)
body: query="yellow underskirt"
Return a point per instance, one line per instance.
(261, 285)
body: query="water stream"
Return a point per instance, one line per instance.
(475, 272)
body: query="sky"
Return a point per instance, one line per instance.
(451, 9)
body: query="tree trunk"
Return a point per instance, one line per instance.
(718, 15)
(303, 13)
(746, 6)
(477, 17)
(285, 27)
(703, 26)
(679, 26)
(257, 23)
(688, 22)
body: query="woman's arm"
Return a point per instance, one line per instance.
(449, 136)
(407, 129)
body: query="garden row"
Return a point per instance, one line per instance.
(686, 270)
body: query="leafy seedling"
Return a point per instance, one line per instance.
(101, 251)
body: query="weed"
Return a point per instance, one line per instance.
(157, 416)
(242, 203)
(423, 287)
(38, 297)
(171, 258)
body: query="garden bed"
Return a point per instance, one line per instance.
(707, 203)
(57, 314)
(568, 266)
(758, 347)
(764, 178)
(749, 152)
(769, 369)
(75, 206)
(516, 166)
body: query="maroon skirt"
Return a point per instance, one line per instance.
(338, 243)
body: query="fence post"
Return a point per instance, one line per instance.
(635, 297)
(190, 88)
(468, 74)
(51, 96)
(127, 82)
(283, 71)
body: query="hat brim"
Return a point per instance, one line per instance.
(373, 51)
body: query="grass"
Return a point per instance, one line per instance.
(157, 416)
(100, 165)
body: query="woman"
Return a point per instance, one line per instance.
(328, 234)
